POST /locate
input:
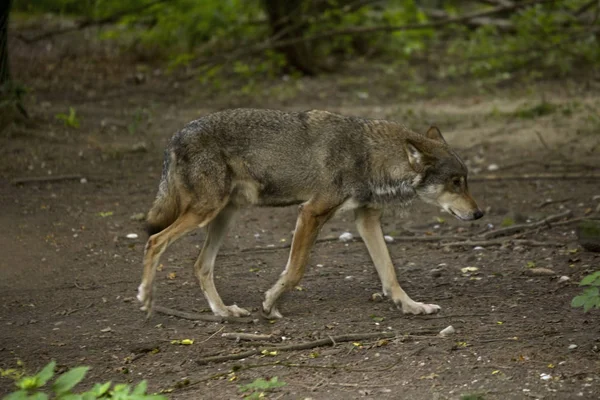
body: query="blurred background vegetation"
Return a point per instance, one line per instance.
(491, 41)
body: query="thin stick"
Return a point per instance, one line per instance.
(213, 335)
(540, 176)
(399, 239)
(541, 139)
(351, 337)
(91, 22)
(200, 317)
(517, 228)
(246, 336)
(49, 178)
(549, 202)
(499, 242)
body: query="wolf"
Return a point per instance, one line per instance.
(323, 161)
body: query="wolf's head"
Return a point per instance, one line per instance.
(442, 176)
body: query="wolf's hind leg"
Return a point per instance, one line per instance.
(217, 229)
(369, 227)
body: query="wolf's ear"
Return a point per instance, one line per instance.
(416, 158)
(434, 133)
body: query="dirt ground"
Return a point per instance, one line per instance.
(69, 274)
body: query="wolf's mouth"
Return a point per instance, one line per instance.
(456, 215)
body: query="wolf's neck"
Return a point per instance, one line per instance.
(388, 189)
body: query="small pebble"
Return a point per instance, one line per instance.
(540, 272)
(376, 297)
(106, 330)
(132, 236)
(545, 377)
(493, 167)
(478, 248)
(449, 330)
(388, 238)
(83, 180)
(563, 279)
(572, 346)
(346, 237)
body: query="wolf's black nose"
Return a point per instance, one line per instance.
(477, 214)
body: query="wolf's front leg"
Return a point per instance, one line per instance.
(369, 227)
(311, 217)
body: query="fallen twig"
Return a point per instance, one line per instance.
(246, 336)
(49, 178)
(352, 337)
(213, 335)
(500, 242)
(399, 239)
(91, 22)
(549, 202)
(517, 228)
(536, 176)
(200, 317)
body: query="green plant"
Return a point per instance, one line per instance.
(590, 298)
(30, 387)
(70, 120)
(257, 388)
(472, 397)
(537, 110)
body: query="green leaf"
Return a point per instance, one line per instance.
(70, 396)
(591, 279)
(28, 382)
(69, 379)
(590, 303)
(100, 389)
(46, 373)
(140, 388)
(121, 388)
(18, 395)
(38, 396)
(578, 301)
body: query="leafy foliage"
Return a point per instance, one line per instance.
(257, 388)
(590, 298)
(235, 37)
(70, 120)
(30, 387)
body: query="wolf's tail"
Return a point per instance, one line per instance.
(165, 209)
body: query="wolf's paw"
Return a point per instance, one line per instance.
(415, 307)
(233, 311)
(273, 313)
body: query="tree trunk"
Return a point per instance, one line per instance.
(285, 18)
(4, 66)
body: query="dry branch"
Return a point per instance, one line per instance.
(246, 336)
(499, 242)
(536, 176)
(352, 337)
(518, 228)
(49, 178)
(91, 22)
(398, 239)
(199, 317)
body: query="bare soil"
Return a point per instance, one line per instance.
(68, 273)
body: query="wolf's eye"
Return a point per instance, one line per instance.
(456, 182)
